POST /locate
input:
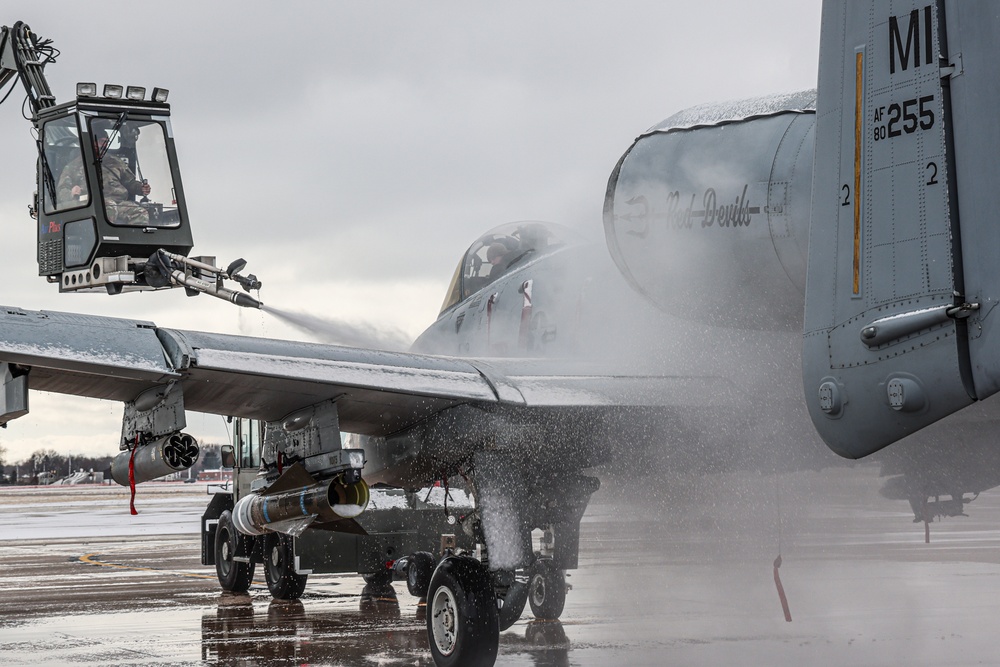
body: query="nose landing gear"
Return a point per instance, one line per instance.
(462, 619)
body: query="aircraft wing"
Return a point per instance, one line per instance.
(378, 393)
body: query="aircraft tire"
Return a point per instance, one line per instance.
(279, 568)
(513, 604)
(462, 624)
(546, 590)
(419, 573)
(234, 576)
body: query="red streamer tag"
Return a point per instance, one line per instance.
(131, 481)
(781, 590)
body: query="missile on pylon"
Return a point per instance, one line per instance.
(290, 507)
(171, 453)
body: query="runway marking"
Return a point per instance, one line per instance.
(91, 559)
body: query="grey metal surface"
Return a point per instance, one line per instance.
(84, 355)
(882, 229)
(972, 28)
(377, 393)
(705, 221)
(720, 113)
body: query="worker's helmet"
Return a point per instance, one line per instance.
(495, 250)
(100, 128)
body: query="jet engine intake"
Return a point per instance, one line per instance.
(292, 511)
(172, 453)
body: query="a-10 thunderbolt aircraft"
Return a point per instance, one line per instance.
(865, 198)
(517, 434)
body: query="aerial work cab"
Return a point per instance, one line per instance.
(108, 187)
(109, 207)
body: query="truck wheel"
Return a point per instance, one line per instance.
(279, 568)
(379, 579)
(546, 590)
(234, 576)
(462, 625)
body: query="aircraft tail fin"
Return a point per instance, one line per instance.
(903, 244)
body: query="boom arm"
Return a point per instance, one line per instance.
(24, 55)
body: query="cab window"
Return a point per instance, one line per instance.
(136, 182)
(248, 441)
(61, 145)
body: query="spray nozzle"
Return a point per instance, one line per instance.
(198, 276)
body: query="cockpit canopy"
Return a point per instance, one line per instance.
(500, 251)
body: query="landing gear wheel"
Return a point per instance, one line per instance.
(234, 576)
(279, 568)
(462, 626)
(419, 573)
(513, 604)
(546, 590)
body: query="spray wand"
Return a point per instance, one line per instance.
(199, 275)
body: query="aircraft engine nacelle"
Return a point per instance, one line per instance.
(172, 453)
(707, 214)
(294, 510)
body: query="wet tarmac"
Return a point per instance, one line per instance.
(673, 572)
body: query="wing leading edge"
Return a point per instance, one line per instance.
(377, 393)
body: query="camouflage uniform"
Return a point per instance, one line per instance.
(72, 175)
(120, 189)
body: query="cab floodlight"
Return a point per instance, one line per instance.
(135, 92)
(113, 91)
(160, 95)
(86, 90)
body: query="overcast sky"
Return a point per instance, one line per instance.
(352, 151)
